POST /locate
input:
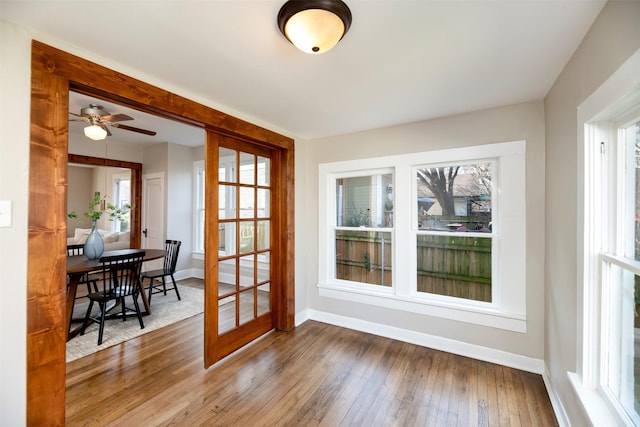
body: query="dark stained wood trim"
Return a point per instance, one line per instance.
(93, 79)
(53, 74)
(287, 320)
(136, 188)
(46, 287)
(100, 161)
(211, 238)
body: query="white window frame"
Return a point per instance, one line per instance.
(331, 272)
(596, 122)
(198, 208)
(115, 183)
(495, 242)
(508, 310)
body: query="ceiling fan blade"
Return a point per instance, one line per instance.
(107, 129)
(78, 115)
(79, 120)
(112, 118)
(131, 128)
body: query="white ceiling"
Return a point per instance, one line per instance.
(166, 130)
(402, 61)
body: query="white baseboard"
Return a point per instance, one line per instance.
(556, 403)
(188, 273)
(486, 354)
(301, 317)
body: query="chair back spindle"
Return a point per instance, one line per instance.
(172, 247)
(88, 279)
(120, 279)
(121, 274)
(171, 260)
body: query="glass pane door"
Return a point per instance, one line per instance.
(244, 238)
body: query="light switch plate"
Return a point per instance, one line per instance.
(5, 213)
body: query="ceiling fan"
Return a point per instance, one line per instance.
(99, 119)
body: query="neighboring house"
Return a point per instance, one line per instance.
(551, 342)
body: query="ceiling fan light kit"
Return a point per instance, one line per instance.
(314, 26)
(95, 132)
(98, 119)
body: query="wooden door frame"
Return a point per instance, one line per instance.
(136, 188)
(53, 74)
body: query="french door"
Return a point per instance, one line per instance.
(240, 220)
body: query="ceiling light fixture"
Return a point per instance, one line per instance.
(95, 132)
(314, 26)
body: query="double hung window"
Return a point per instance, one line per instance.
(427, 233)
(607, 376)
(614, 230)
(122, 199)
(453, 231)
(198, 208)
(363, 228)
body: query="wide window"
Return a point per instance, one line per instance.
(426, 233)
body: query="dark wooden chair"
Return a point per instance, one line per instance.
(173, 248)
(89, 279)
(120, 279)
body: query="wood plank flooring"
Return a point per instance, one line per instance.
(316, 375)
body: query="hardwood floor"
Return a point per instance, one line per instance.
(318, 374)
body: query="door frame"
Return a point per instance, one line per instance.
(53, 74)
(143, 203)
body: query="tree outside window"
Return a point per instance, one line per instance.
(452, 200)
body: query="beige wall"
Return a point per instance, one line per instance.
(613, 38)
(176, 163)
(180, 201)
(512, 123)
(14, 186)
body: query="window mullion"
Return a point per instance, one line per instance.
(405, 253)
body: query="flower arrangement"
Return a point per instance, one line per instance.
(95, 212)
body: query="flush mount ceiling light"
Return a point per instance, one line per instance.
(95, 132)
(314, 26)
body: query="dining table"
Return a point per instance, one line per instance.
(79, 265)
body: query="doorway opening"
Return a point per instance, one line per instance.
(55, 73)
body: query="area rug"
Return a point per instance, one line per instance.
(165, 310)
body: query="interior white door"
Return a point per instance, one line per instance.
(153, 216)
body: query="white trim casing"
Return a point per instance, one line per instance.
(508, 308)
(612, 99)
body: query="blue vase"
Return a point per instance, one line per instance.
(94, 245)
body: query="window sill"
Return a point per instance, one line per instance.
(490, 317)
(594, 405)
(197, 255)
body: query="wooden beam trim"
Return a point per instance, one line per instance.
(92, 78)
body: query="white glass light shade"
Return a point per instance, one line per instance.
(95, 132)
(314, 30)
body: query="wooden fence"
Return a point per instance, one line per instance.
(359, 256)
(457, 266)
